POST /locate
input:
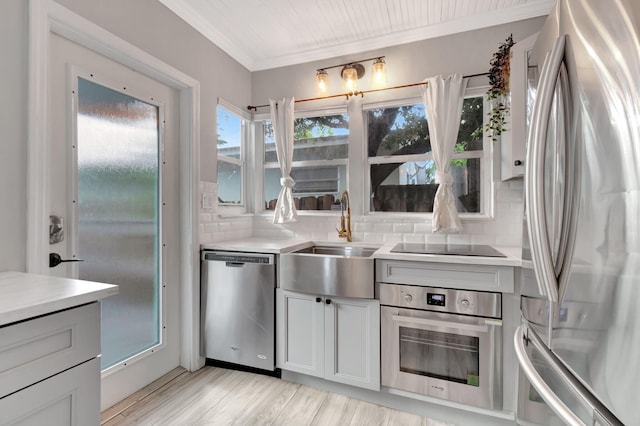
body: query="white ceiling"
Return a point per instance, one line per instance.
(263, 34)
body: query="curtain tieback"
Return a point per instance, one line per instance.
(287, 181)
(444, 178)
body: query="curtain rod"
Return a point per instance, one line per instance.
(360, 93)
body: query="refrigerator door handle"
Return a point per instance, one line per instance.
(564, 110)
(538, 382)
(572, 149)
(530, 174)
(534, 196)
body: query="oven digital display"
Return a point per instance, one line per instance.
(435, 299)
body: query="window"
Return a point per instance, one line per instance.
(230, 142)
(320, 151)
(401, 165)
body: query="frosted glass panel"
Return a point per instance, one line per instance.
(118, 214)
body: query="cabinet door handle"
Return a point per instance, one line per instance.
(517, 163)
(328, 301)
(318, 299)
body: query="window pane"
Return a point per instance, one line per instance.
(229, 133)
(317, 188)
(316, 138)
(466, 184)
(411, 187)
(320, 138)
(230, 182)
(403, 187)
(397, 131)
(471, 122)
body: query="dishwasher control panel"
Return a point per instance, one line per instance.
(238, 257)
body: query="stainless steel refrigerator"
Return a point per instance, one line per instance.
(579, 342)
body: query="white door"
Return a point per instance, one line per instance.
(114, 192)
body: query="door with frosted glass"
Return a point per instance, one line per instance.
(114, 181)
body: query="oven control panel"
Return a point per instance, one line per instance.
(466, 302)
(437, 299)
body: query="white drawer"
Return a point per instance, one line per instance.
(66, 399)
(447, 275)
(33, 350)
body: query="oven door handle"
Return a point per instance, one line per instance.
(446, 324)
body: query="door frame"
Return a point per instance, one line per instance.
(46, 17)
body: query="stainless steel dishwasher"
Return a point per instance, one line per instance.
(238, 309)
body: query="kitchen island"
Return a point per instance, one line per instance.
(49, 349)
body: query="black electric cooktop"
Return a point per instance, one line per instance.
(450, 249)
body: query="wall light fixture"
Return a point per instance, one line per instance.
(352, 72)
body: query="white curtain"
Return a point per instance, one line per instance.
(443, 98)
(282, 120)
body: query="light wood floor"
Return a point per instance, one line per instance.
(223, 397)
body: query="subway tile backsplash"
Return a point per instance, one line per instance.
(504, 229)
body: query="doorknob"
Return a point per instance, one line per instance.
(55, 260)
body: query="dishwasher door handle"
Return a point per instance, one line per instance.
(234, 264)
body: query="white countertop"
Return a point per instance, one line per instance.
(275, 246)
(24, 296)
(258, 245)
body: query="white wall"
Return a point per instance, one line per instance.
(467, 53)
(13, 134)
(146, 24)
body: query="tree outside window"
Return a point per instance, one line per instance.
(401, 166)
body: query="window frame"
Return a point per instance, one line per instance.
(358, 165)
(487, 193)
(259, 121)
(245, 137)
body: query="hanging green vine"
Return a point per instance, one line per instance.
(499, 82)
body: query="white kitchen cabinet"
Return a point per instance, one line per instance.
(300, 332)
(49, 370)
(352, 342)
(69, 398)
(513, 140)
(333, 338)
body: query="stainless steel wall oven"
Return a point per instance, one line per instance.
(442, 342)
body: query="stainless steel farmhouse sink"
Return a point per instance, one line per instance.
(347, 251)
(332, 270)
